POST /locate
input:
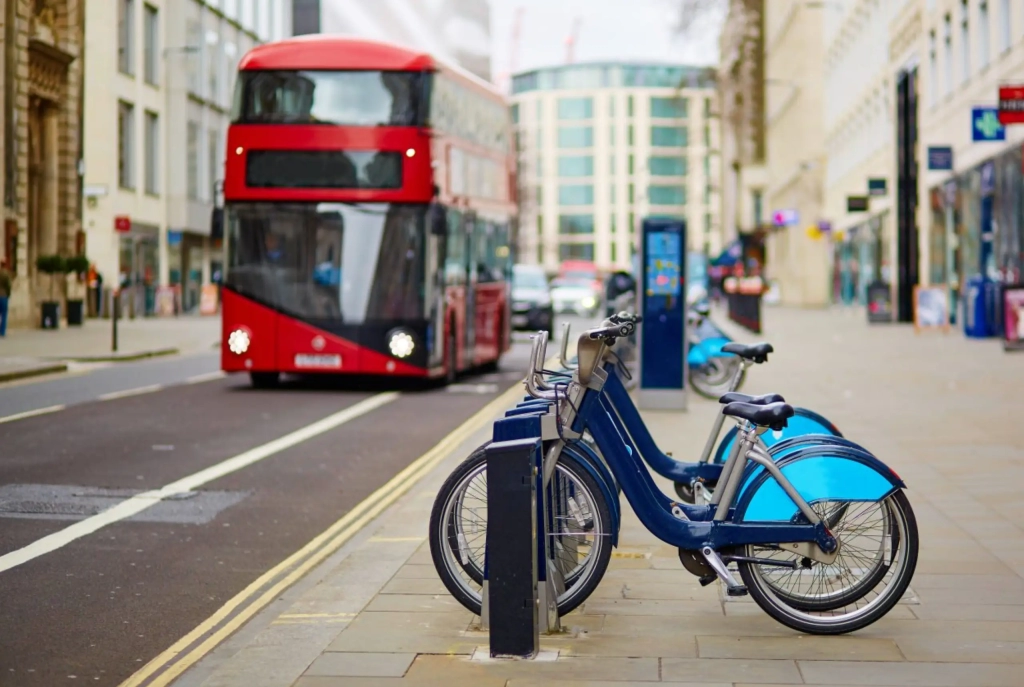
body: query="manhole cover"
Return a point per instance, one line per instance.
(72, 502)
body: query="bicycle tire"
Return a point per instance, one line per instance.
(575, 594)
(715, 391)
(801, 620)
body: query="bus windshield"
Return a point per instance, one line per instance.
(351, 98)
(349, 263)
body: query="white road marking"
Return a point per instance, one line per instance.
(140, 502)
(31, 413)
(131, 392)
(208, 377)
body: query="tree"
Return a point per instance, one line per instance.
(691, 12)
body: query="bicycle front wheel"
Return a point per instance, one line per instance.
(579, 531)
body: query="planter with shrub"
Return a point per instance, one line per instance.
(51, 265)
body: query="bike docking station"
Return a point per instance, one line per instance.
(521, 577)
(662, 339)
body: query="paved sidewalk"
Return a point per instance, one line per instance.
(28, 352)
(942, 410)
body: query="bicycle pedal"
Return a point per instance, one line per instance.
(707, 579)
(741, 590)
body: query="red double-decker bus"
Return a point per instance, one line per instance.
(368, 198)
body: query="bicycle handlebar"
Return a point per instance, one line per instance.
(612, 332)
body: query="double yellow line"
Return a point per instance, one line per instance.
(191, 648)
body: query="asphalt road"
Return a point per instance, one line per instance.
(96, 608)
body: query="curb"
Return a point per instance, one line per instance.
(33, 372)
(126, 357)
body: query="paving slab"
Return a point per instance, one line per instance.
(772, 672)
(798, 647)
(910, 674)
(353, 664)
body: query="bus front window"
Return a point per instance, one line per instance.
(352, 263)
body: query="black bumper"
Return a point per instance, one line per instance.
(533, 319)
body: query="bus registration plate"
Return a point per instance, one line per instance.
(318, 361)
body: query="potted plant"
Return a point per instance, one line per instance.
(78, 266)
(6, 284)
(51, 265)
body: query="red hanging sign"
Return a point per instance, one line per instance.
(1011, 105)
(122, 223)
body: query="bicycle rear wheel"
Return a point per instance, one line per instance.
(581, 525)
(868, 578)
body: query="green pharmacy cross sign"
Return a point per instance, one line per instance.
(985, 125)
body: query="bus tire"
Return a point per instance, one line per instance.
(265, 380)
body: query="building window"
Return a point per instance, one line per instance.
(576, 251)
(213, 157)
(630, 140)
(707, 136)
(933, 68)
(631, 164)
(611, 107)
(983, 33)
(668, 137)
(125, 145)
(707, 223)
(667, 166)
(965, 42)
(669, 108)
(192, 152)
(631, 194)
(575, 108)
(947, 52)
(758, 198)
(214, 52)
(1004, 25)
(152, 143)
(151, 56)
(576, 224)
(666, 195)
(126, 37)
(707, 107)
(575, 137)
(515, 113)
(629, 106)
(194, 40)
(578, 194)
(611, 165)
(576, 166)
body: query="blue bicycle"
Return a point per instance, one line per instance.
(822, 534)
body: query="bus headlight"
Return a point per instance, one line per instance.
(238, 341)
(589, 302)
(401, 344)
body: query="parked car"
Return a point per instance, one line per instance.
(581, 270)
(576, 296)
(531, 299)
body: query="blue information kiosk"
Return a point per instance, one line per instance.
(662, 334)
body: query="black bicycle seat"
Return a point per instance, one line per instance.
(773, 415)
(757, 353)
(736, 397)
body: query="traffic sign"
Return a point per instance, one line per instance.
(122, 223)
(985, 125)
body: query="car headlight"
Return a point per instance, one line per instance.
(589, 302)
(239, 341)
(401, 344)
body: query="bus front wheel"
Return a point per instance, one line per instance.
(265, 380)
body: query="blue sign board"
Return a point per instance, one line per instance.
(662, 334)
(940, 158)
(173, 237)
(985, 125)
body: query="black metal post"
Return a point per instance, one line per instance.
(113, 318)
(511, 557)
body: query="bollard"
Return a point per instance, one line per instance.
(510, 588)
(113, 318)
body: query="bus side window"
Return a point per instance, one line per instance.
(455, 266)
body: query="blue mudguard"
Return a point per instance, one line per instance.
(604, 479)
(700, 352)
(822, 473)
(804, 422)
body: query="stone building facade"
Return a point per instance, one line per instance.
(41, 63)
